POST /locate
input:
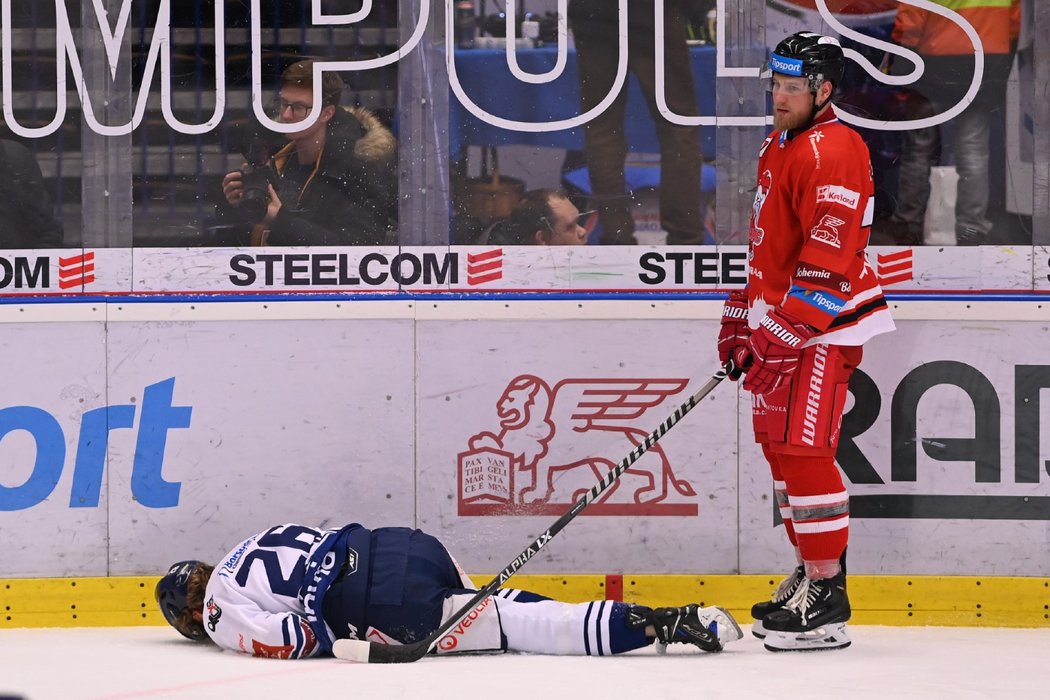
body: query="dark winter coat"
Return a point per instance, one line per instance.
(351, 197)
(27, 219)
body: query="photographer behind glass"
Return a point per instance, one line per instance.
(27, 219)
(333, 183)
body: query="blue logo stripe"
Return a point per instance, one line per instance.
(826, 303)
(783, 64)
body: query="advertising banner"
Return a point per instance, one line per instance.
(541, 410)
(946, 449)
(131, 443)
(65, 272)
(467, 269)
(54, 417)
(202, 434)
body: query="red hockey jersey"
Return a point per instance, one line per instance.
(809, 228)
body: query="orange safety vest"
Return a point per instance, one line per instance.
(997, 23)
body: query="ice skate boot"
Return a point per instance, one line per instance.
(784, 591)
(708, 628)
(813, 619)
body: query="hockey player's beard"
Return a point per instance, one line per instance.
(788, 121)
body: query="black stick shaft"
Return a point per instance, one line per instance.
(384, 653)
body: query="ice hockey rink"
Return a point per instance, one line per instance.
(884, 662)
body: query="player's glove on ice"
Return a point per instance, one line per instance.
(775, 348)
(734, 332)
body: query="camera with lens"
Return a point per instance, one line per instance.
(257, 175)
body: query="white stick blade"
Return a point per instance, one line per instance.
(351, 650)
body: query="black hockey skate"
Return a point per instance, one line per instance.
(813, 619)
(708, 628)
(784, 591)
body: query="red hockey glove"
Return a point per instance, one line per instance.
(775, 347)
(734, 331)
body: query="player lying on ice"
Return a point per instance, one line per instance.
(289, 592)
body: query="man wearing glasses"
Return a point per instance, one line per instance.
(333, 183)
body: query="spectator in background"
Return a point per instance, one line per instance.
(27, 219)
(542, 217)
(595, 26)
(333, 183)
(948, 55)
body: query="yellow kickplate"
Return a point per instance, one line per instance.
(876, 600)
(78, 602)
(999, 601)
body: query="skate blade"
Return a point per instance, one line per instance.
(823, 638)
(758, 629)
(724, 626)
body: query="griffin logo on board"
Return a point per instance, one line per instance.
(553, 442)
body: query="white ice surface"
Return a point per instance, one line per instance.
(884, 662)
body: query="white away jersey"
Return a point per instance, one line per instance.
(254, 599)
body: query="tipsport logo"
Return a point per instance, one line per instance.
(157, 417)
(555, 442)
(785, 65)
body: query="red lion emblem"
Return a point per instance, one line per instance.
(553, 445)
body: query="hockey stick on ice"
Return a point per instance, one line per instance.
(372, 652)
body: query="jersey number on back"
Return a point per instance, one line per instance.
(269, 549)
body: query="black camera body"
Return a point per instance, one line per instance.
(256, 199)
(256, 176)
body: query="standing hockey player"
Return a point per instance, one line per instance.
(811, 301)
(291, 591)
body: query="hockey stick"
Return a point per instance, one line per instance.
(378, 653)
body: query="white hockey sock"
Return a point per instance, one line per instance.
(552, 627)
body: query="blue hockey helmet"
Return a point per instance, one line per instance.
(171, 593)
(809, 55)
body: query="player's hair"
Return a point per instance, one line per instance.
(533, 213)
(301, 74)
(198, 581)
(180, 593)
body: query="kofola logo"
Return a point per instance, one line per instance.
(344, 269)
(975, 484)
(693, 268)
(554, 442)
